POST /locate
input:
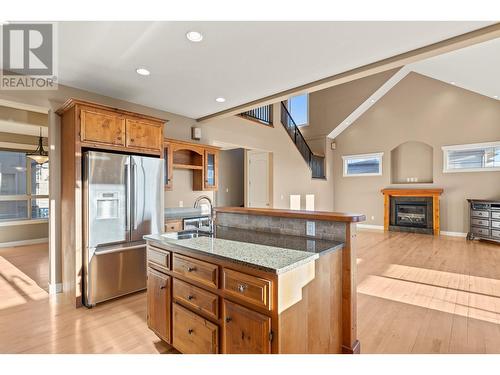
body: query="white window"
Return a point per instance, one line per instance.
(363, 165)
(479, 157)
(24, 187)
(298, 106)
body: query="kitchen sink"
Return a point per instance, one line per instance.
(186, 234)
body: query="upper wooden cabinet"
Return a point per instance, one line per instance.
(201, 159)
(104, 127)
(99, 126)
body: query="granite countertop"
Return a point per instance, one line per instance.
(268, 252)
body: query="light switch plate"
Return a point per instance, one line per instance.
(310, 228)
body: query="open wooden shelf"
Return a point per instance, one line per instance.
(187, 166)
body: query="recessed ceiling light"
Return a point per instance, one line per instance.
(220, 100)
(373, 100)
(194, 36)
(143, 71)
(453, 82)
(495, 96)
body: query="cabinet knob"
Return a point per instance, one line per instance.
(162, 286)
(132, 139)
(190, 331)
(228, 319)
(190, 298)
(242, 287)
(191, 269)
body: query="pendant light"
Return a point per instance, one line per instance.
(39, 155)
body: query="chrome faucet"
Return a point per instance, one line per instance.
(197, 204)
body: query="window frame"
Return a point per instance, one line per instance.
(288, 107)
(28, 197)
(465, 147)
(375, 155)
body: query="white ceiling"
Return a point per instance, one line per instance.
(475, 68)
(241, 61)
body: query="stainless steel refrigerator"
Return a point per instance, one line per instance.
(123, 201)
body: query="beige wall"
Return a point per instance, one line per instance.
(412, 162)
(231, 178)
(182, 190)
(425, 110)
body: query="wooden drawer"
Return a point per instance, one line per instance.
(192, 334)
(495, 224)
(495, 215)
(196, 298)
(196, 270)
(480, 222)
(173, 226)
(481, 231)
(495, 234)
(247, 287)
(160, 257)
(476, 213)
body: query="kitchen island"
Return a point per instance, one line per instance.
(257, 284)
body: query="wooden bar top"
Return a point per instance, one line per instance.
(409, 192)
(297, 214)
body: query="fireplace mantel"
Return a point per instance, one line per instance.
(434, 193)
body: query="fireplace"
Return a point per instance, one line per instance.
(408, 210)
(411, 214)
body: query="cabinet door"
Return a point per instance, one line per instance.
(159, 304)
(145, 135)
(168, 156)
(102, 127)
(245, 331)
(211, 170)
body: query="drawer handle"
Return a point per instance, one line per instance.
(190, 297)
(190, 331)
(163, 286)
(191, 269)
(228, 319)
(242, 288)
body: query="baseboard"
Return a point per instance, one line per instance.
(55, 288)
(381, 227)
(370, 226)
(453, 234)
(24, 242)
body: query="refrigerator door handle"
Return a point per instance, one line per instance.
(133, 194)
(118, 249)
(127, 197)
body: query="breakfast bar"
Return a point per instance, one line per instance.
(261, 281)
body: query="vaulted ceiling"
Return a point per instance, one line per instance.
(240, 61)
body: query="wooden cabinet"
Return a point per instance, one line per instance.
(194, 334)
(245, 331)
(173, 226)
(196, 270)
(248, 288)
(159, 304)
(196, 298)
(142, 134)
(98, 126)
(202, 160)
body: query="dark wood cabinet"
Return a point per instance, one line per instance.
(245, 331)
(484, 220)
(159, 304)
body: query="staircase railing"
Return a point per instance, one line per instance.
(263, 115)
(316, 163)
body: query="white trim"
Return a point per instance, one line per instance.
(24, 242)
(472, 146)
(453, 234)
(55, 288)
(370, 226)
(22, 222)
(345, 158)
(368, 103)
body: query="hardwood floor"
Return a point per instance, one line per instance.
(416, 294)
(422, 294)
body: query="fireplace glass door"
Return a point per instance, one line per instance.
(411, 214)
